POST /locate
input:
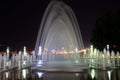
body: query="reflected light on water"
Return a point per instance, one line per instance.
(24, 72)
(109, 74)
(40, 74)
(34, 74)
(7, 74)
(92, 73)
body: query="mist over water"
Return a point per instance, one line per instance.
(59, 33)
(59, 28)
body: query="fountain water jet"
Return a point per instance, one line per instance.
(59, 36)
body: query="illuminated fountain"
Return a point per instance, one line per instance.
(59, 37)
(60, 47)
(104, 60)
(9, 60)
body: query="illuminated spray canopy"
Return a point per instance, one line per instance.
(59, 29)
(59, 38)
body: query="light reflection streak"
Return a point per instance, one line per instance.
(7, 74)
(24, 72)
(40, 74)
(109, 74)
(92, 73)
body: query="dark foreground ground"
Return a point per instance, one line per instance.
(34, 74)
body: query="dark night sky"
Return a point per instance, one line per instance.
(20, 20)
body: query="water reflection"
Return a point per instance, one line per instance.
(109, 74)
(92, 73)
(32, 74)
(24, 73)
(7, 74)
(40, 74)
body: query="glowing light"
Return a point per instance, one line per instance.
(63, 48)
(24, 51)
(39, 63)
(91, 47)
(60, 32)
(76, 74)
(40, 50)
(40, 74)
(7, 50)
(92, 61)
(109, 74)
(65, 52)
(24, 72)
(24, 62)
(76, 61)
(103, 55)
(92, 73)
(20, 52)
(7, 63)
(59, 52)
(76, 49)
(53, 50)
(107, 47)
(7, 74)
(95, 50)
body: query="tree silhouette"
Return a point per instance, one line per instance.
(107, 31)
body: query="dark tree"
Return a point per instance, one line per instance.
(107, 31)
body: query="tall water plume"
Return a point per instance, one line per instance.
(59, 32)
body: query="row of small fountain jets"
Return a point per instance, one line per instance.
(19, 60)
(92, 58)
